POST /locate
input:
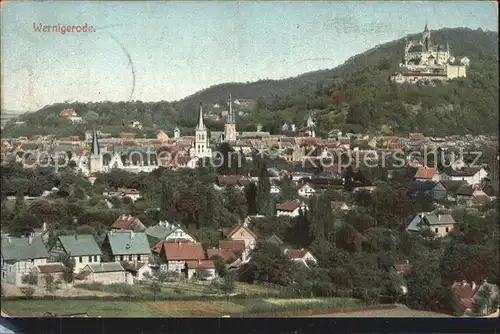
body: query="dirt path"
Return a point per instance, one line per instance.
(392, 313)
(12, 290)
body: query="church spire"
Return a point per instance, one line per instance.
(201, 125)
(95, 150)
(426, 29)
(230, 115)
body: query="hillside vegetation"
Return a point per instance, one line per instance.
(355, 96)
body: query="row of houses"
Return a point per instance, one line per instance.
(129, 251)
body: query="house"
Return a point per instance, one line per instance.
(275, 240)
(54, 269)
(165, 231)
(83, 249)
(129, 223)
(291, 208)
(224, 254)
(402, 268)
(427, 174)
(440, 224)
(129, 246)
(473, 175)
(274, 189)
(469, 294)
(306, 190)
(174, 255)
(241, 233)
(433, 189)
(491, 189)
(105, 273)
(340, 206)
(201, 269)
(19, 256)
(452, 188)
(300, 255)
(138, 270)
(237, 247)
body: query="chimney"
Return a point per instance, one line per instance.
(131, 235)
(438, 216)
(474, 286)
(102, 265)
(30, 239)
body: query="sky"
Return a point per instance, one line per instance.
(153, 51)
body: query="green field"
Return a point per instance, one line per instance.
(205, 308)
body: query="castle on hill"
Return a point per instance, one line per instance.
(426, 61)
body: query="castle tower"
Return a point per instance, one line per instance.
(95, 162)
(230, 126)
(201, 144)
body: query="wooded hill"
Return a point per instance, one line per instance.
(355, 96)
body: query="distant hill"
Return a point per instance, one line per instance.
(355, 96)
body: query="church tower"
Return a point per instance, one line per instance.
(426, 39)
(201, 143)
(95, 162)
(230, 126)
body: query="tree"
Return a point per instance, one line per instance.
(155, 288)
(264, 205)
(20, 206)
(228, 283)
(69, 267)
(269, 264)
(50, 283)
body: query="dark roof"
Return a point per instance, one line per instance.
(466, 171)
(453, 185)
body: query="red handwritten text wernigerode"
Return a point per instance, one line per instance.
(62, 28)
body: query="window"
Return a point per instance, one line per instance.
(90, 259)
(436, 230)
(130, 257)
(447, 229)
(121, 257)
(80, 259)
(138, 257)
(95, 258)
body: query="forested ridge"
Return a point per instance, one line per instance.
(355, 96)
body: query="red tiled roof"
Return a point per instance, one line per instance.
(289, 206)
(296, 253)
(51, 268)
(425, 173)
(125, 223)
(237, 228)
(237, 246)
(402, 268)
(464, 292)
(82, 275)
(183, 251)
(201, 264)
(225, 254)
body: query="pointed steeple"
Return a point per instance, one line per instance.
(426, 29)
(96, 149)
(230, 115)
(201, 125)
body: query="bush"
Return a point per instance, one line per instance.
(31, 279)
(28, 291)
